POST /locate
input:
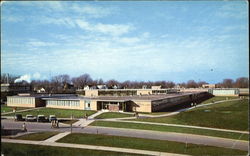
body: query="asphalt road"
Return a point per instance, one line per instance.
(178, 137)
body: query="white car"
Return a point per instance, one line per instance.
(52, 117)
(30, 118)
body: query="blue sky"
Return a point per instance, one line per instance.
(164, 40)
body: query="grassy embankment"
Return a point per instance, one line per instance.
(60, 113)
(161, 128)
(226, 115)
(113, 115)
(25, 150)
(6, 109)
(147, 144)
(37, 136)
(219, 98)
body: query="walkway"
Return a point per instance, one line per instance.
(85, 122)
(91, 147)
(57, 137)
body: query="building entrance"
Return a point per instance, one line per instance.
(112, 106)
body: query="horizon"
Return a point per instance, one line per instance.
(145, 41)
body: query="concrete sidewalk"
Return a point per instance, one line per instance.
(57, 137)
(85, 122)
(91, 147)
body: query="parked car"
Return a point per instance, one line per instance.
(19, 117)
(30, 118)
(52, 117)
(41, 118)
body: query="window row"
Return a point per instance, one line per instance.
(21, 100)
(63, 103)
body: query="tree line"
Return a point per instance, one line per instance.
(64, 81)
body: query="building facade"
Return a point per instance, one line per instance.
(138, 103)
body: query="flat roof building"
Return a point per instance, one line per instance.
(139, 103)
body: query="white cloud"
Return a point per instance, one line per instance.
(114, 29)
(93, 11)
(12, 18)
(111, 29)
(24, 78)
(37, 43)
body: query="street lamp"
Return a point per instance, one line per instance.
(37, 115)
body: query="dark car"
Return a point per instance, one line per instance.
(18, 117)
(41, 118)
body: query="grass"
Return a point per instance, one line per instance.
(37, 136)
(113, 115)
(68, 121)
(153, 113)
(171, 129)
(219, 98)
(26, 150)
(226, 115)
(5, 109)
(60, 113)
(148, 144)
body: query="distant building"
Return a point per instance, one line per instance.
(41, 90)
(209, 86)
(9, 89)
(15, 87)
(102, 87)
(155, 87)
(224, 91)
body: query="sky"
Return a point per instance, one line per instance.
(126, 40)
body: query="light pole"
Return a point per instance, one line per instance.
(37, 115)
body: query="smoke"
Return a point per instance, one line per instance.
(28, 77)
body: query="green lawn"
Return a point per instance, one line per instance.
(171, 129)
(11, 149)
(60, 113)
(153, 113)
(148, 144)
(5, 109)
(113, 115)
(37, 136)
(219, 98)
(68, 121)
(226, 115)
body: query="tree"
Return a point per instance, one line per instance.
(200, 83)
(126, 84)
(82, 81)
(170, 84)
(7, 78)
(111, 83)
(192, 84)
(242, 82)
(227, 83)
(100, 82)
